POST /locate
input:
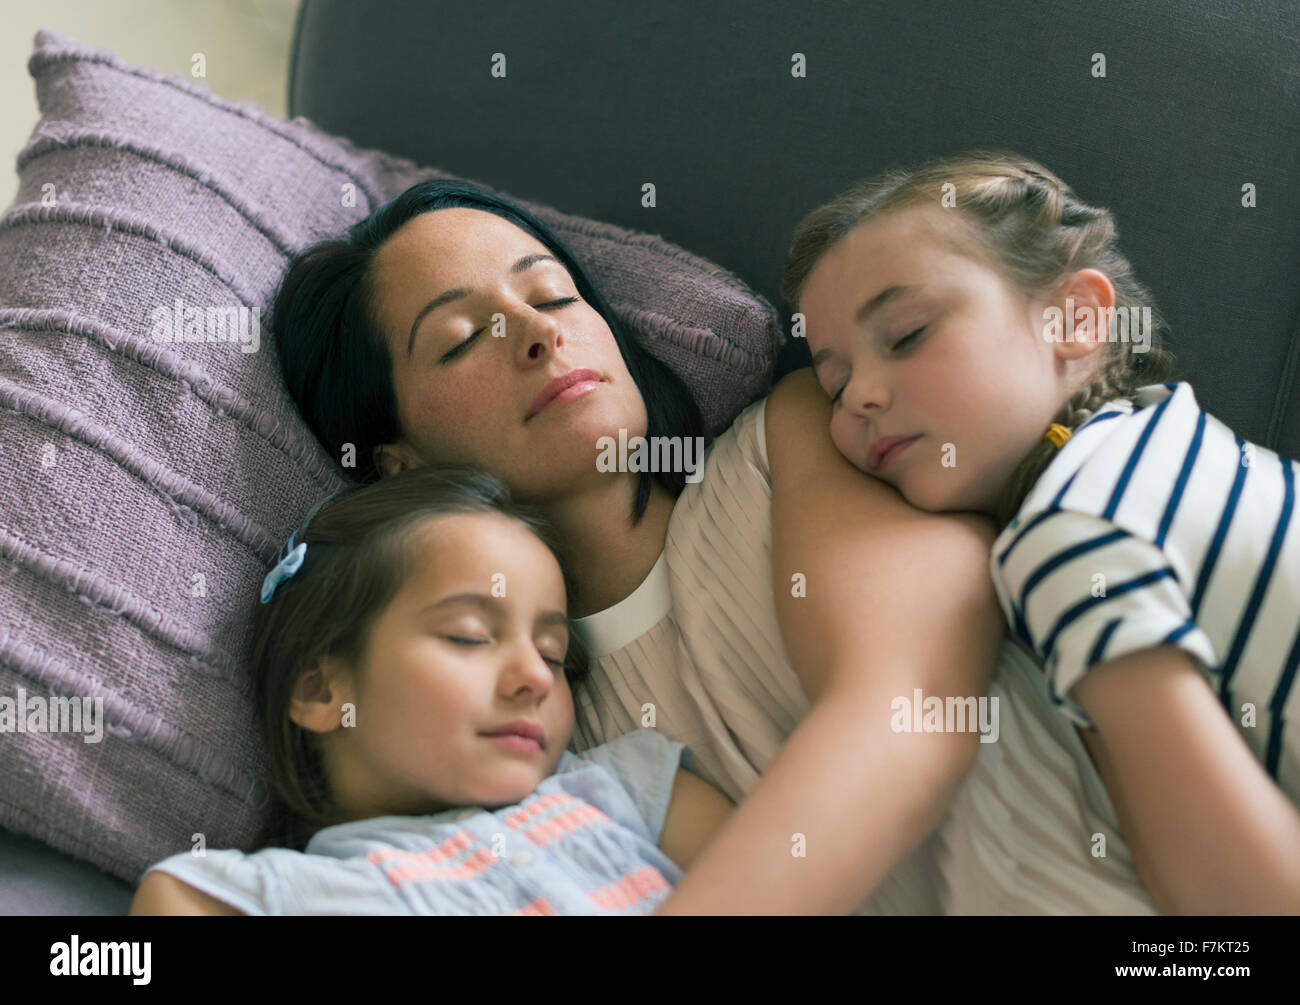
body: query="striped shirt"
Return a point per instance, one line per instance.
(586, 842)
(1155, 525)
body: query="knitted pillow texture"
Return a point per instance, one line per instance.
(148, 479)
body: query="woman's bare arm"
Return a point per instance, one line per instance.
(1210, 832)
(896, 600)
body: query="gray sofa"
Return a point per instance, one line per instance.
(598, 98)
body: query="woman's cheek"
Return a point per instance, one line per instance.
(454, 408)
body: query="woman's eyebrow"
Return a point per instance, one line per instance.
(459, 292)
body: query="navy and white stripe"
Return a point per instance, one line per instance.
(1157, 525)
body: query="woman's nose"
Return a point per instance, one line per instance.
(542, 334)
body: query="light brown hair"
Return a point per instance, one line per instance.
(1026, 223)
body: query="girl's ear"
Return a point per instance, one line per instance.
(318, 697)
(1084, 305)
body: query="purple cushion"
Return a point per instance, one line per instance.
(146, 485)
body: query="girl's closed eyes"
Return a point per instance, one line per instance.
(1087, 453)
(413, 675)
(903, 346)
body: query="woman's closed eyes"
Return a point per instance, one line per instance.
(460, 347)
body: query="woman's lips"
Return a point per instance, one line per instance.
(569, 393)
(573, 384)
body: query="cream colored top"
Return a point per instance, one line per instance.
(695, 652)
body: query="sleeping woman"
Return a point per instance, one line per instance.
(771, 616)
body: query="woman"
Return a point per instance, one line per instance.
(434, 335)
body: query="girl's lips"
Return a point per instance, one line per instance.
(889, 455)
(516, 742)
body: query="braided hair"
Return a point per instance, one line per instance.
(1028, 225)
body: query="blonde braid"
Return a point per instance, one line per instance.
(1111, 383)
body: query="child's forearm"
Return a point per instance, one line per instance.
(1211, 832)
(843, 803)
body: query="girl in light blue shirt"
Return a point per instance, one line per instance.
(412, 663)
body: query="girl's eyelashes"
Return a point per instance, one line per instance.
(907, 341)
(460, 347)
(461, 640)
(907, 338)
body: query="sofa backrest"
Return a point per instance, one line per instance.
(703, 101)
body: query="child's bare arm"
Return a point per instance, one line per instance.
(162, 893)
(1210, 831)
(695, 812)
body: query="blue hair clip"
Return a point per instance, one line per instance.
(291, 557)
(285, 568)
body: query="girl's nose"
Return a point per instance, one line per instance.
(526, 669)
(864, 395)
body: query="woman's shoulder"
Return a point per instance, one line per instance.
(794, 401)
(745, 438)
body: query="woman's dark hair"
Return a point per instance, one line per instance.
(360, 550)
(337, 365)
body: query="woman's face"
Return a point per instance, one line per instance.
(474, 640)
(506, 321)
(912, 338)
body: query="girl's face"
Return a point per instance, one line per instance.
(475, 640)
(914, 339)
(506, 321)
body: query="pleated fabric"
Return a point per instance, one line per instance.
(696, 653)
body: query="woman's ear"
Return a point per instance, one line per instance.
(394, 458)
(388, 460)
(1078, 316)
(319, 696)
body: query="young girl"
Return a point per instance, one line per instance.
(412, 663)
(963, 320)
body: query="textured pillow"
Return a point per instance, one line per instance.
(146, 484)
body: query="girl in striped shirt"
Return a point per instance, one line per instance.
(987, 347)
